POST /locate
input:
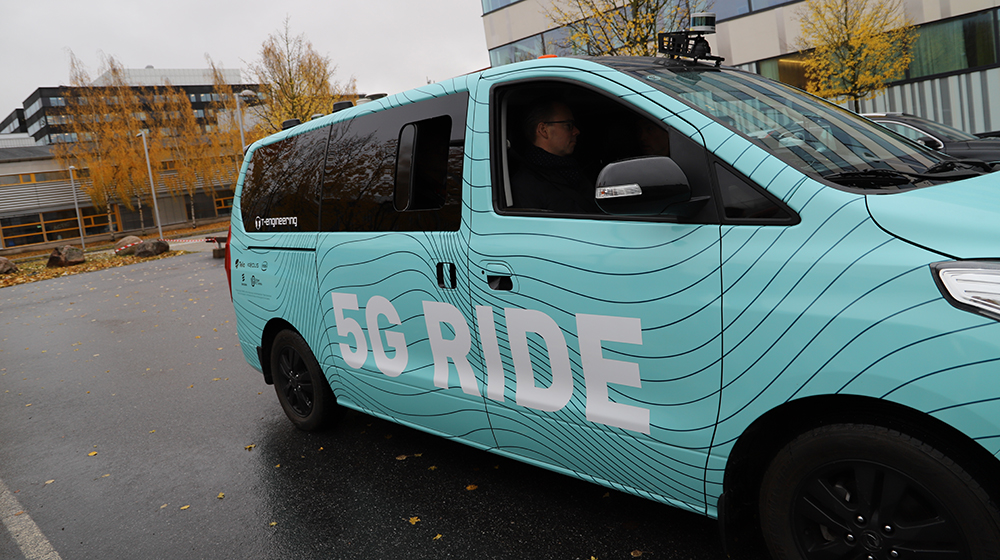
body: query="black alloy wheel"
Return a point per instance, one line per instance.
(870, 493)
(302, 389)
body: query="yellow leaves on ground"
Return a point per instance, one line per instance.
(414, 520)
(92, 453)
(639, 553)
(273, 523)
(185, 507)
(221, 495)
(472, 487)
(35, 270)
(436, 537)
(49, 481)
(250, 447)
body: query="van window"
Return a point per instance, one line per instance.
(606, 130)
(399, 169)
(741, 201)
(281, 188)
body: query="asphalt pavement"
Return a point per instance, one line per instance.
(131, 427)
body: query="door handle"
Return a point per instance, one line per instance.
(447, 277)
(500, 283)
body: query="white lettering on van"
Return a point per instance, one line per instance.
(552, 398)
(348, 326)
(454, 349)
(491, 352)
(394, 366)
(592, 332)
(598, 371)
(272, 222)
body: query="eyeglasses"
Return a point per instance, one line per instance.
(570, 124)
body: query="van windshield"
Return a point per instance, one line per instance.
(812, 135)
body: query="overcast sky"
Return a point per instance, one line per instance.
(387, 45)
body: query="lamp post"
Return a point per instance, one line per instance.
(79, 220)
(239, 114)
(152, 187)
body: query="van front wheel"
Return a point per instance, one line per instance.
(302, 389)
(864, 491)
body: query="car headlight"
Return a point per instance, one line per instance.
(970, 285)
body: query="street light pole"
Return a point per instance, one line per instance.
(152, 187)
(79, 220)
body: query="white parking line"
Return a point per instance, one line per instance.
(28, 536)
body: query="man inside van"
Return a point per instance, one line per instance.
(548, 177)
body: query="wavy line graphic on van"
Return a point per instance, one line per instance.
(272, 222)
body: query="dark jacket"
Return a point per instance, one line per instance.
(549, 182)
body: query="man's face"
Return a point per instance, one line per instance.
(557, 135)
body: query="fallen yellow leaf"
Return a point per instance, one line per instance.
(185, 507)
(250, 447)
(432, 468)
(49, 481)
(163, 506)
(278, 466)
(92, 453)
(436, 537)
(273, 523)
(221, 495)
(401, 457)
(471, 487)
(414, 520)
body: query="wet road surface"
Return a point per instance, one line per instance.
(131, 427)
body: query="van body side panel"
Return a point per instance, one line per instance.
(273, 244)
(395, 298)
(609, 338)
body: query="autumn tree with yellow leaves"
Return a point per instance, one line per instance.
(105, 121)
(296, 82)
(854, 47)
(620, 27)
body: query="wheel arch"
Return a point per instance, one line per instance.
(271, 329)
(766, 436)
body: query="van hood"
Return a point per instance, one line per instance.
(960, 219)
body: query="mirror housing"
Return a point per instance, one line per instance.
(642, 186)
(931, 142)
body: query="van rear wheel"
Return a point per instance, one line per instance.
(302, 388)
(863, 491)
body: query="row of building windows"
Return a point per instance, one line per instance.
(944, 46)
(12, 127)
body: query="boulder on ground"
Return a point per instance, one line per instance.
(127, 245)
(67, 255)
(151, 248)
(7, 267)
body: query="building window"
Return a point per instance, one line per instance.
(493, 5)
(788, 69)
(33, 108)
(947, 46)
(525, 49)
(57, 102)
(726, 9)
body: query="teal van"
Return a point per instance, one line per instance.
(779, 314)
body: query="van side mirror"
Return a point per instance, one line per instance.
(931, 142)
(643, 186)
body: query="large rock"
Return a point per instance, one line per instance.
(67, 255)
(127, 245)
(7, 267)
(151, 248)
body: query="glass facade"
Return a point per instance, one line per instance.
(957, 44)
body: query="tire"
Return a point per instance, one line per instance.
(855, 491)
(302, 388)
